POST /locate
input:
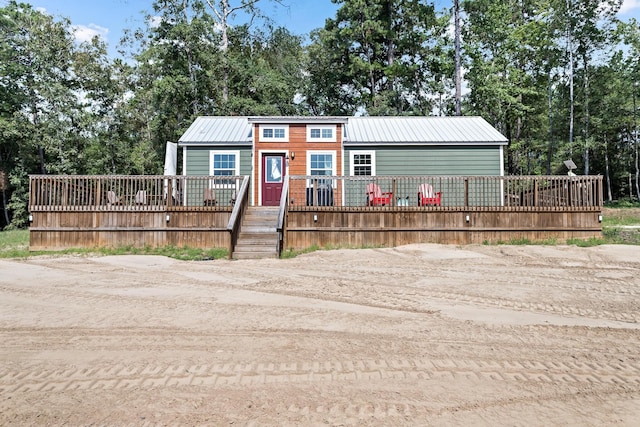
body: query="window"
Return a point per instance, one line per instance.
(321, 163)
(363, 163)
(224, 163)
(321, 133)
(270, 133)
(273, 169)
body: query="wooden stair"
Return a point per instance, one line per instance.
(258, 236)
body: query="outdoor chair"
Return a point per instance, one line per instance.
(375, 196)
(209, 197)
(141, 197)
(113, 199)
(427, 197)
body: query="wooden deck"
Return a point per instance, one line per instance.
(472, 210)
(114, 211)
(207, 211)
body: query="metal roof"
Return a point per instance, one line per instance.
(218, 129)
(299, 119)
(421, 130)
(406, 130)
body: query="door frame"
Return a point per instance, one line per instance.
(261, 154)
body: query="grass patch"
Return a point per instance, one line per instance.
(15, 244)
(292, 253)
(621, 216)
(587, 243)
(524, 241)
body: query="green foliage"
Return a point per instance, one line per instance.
(624, 214)
(586, 243)
(292, 253)
(15, 244)
(383, 57)
(19, 196)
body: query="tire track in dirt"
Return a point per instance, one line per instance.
(363, 410)
(258, 373)
(416, 300)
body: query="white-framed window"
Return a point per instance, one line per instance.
(273, 133)
(321, 163)
(321, 133)
(224, 163)
(362, 163)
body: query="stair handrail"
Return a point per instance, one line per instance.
(282, 212)
(235, 220)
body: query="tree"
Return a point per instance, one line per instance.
(507, 48)
(383, 53)
(225, 11)
(631, 37)
(49, 95)
(588, 30)
(174, 78)
(266, 72)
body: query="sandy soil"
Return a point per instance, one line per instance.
(416, 335)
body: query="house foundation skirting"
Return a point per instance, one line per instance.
(333, 228)
(56, 230)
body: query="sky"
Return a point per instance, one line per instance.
(109, 18)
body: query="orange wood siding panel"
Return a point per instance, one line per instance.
(297, 144)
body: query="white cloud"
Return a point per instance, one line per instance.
(629, 6)
(84, 33)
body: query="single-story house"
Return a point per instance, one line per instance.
(270, 148)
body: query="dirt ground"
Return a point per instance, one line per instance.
(411, 336)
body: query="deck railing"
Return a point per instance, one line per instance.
(445, 192)
(124, 192)
(239, 208)
(157, 192)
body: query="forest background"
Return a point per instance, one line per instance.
(559, 78)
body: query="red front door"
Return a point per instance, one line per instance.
(273, 171)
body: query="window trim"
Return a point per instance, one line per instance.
(353, 153)
(332, 153)
(262, 128)
(334, 158)
(213, 153)
(334, 133)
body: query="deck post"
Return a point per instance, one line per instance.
(466, 192)
(394, 193)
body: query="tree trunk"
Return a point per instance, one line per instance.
(34, 115)
(223, 16)
(570, 47)
(635, 141)
(606, 170)
(456, 12)
(3, 186)
(550, 151)
(585, 62)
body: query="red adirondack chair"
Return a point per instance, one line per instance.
(427, 197)
(376, 197)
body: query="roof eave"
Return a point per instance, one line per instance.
(206, 143)
(298, 119)
(423, 143)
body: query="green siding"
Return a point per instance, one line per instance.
(198, 159)
(415, 161)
